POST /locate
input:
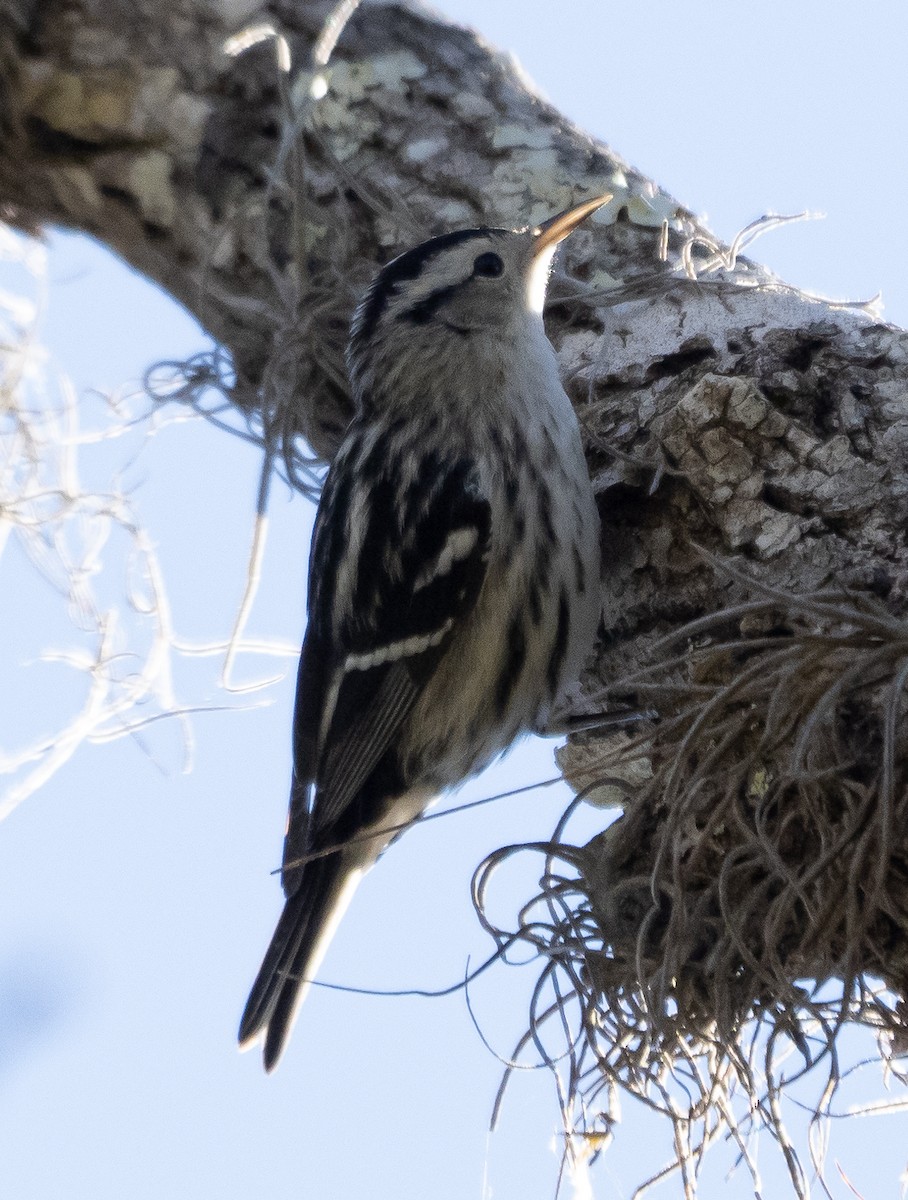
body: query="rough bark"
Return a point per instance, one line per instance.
(129, 122)
(723, 409)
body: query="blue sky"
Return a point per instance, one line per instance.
(137, 900)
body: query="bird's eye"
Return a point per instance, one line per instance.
(488, 265)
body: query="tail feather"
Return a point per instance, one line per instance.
(297, 948)
(275, 969)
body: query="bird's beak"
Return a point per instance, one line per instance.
(547, 235)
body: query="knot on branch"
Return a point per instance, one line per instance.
(766, 480)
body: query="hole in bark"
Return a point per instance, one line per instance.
(881, 582)
(115, 193)
(800, 357)
(52, 141)
(690, 355)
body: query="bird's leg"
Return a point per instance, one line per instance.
(563, 725)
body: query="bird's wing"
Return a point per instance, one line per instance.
(396, 565)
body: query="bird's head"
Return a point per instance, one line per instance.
(451, 293)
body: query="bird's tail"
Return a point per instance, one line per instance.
(304, 931)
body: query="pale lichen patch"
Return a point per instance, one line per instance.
(472, 108)
(425, 149)
(92, 107)
(508, 137)
(603, 281)
(80, 188)
(149, 182)
(453, 213)
(394, 71)
(186, 119)
(156, 88)
(350, 80)
(650, 211)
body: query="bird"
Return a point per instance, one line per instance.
(454, 573)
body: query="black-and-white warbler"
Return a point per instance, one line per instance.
(453, 578)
